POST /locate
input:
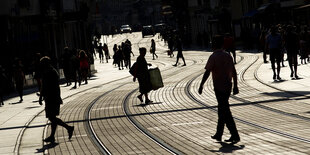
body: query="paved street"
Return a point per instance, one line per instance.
(273, 117)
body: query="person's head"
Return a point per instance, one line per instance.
(273, 30)
(152, 40)
(289, 28)
(100, 44)
(45, 62)
(142, 51)
(82, 54)
(217, 42)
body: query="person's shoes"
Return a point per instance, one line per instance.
(279, 78)
(274, 76)
(233, 140)
(74, 87)
(217, 138)
(86, 82)
(265, 61)
(296, 77)
(21, 100)
(140, 98)
(174, 65)
(184, 65)
(148, 101)
(292, 74)
(49, 139)
(70, 131)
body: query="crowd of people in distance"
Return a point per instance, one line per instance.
(280, 39)
(76, 66)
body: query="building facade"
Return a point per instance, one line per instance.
(44, 26)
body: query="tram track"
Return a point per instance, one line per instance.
(28, 123)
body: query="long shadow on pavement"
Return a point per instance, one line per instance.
(228, 148)
(46, 147)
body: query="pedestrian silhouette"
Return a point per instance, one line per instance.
(142, 73)
(106, 52)
(180, 52)
(153, 49)
(75, 72)
(292, 44)
(223, 71)
(261, 46)
(127, 53)
(50, 92)
(37, 70)
(19, 78)
(274, 44)
(114, 54)
(84, 65)
(66, 65)
(3, 84)
(100, 52)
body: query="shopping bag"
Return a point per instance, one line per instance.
(155, 78)
(133, 69)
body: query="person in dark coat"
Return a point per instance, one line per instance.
(19, 78)
(50, 92)
(143, 76)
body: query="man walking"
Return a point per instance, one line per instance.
(274, 44)
(291, 44)
(221, 65)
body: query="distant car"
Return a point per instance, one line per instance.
(125, 28)
(147, 30)
(159, 27)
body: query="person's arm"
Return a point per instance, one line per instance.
(203, 81)
(266, 43)
(235, 79)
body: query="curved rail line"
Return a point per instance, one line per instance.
(96, 139)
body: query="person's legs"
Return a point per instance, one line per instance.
(54, 122)
(220, 122)
(19, 88)
(176, 63)
(184, 64)
(295, 62)
(147, 100)
(272, 60)
(290, 64)
(279, 60)
(265, 56)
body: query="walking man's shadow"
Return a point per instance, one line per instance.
(228, 148)
(46, 147)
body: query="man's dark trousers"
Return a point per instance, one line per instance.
(224, 115)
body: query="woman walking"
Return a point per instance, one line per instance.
(50, 92)
(143, 76)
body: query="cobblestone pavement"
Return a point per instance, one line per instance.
(273, 117)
